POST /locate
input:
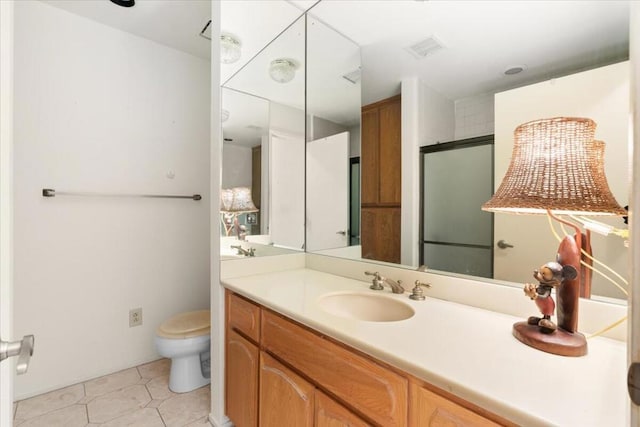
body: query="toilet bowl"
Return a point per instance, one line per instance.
(185, 339)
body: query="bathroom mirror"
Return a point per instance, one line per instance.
(469, 46)
(479, 39)
(263, 128)
(333, 137)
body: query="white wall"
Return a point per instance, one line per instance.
(100, 110)
(474, 116)
(427, 118)
(236, 166)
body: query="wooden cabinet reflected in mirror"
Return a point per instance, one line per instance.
(381, 175)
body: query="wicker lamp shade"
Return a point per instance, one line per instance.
(237, 200)
(556, 165)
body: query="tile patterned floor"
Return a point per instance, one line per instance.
(137, 397)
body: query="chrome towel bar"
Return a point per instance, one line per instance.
(50, 192)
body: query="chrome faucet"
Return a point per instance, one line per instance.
(379, 281)
(243, 251)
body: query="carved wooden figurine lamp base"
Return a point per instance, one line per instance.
(559, 342)
(557, 168)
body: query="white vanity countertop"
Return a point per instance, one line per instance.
(467, 351)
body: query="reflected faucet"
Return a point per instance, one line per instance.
(243, 251)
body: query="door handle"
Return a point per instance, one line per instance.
(23, 349)
(504, 245)
(342, 232)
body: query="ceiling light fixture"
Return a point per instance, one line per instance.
(283, 70)
(229, 49)
(124, 3)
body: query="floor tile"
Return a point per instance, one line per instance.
(44, 403)
(154, 403)
(159, 388)
(155, 369)
(113, 382)
(71, 416)
(186, 408)
(147, 417)
(204, 422)
(115, 404)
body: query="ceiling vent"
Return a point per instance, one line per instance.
(354, 76)
(425, 48)
(206, 31)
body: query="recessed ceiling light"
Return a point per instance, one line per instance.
(124, 3)
(514, 69)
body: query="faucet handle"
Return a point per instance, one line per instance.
(416, 293)
(377, 281)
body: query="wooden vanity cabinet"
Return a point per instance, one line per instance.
(381, 170)
(290, 375)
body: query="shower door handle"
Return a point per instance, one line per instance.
(23, 349)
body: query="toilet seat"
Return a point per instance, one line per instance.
(186, 325)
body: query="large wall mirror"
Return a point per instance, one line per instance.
(462, 73)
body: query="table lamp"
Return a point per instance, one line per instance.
(557, 168)
(233, 202)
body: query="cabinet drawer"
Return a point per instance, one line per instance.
(369, 388)
(243, 316)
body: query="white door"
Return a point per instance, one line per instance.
(6, 143)
(634, 296)
(10, 346)
(328, 192)
(286, 190)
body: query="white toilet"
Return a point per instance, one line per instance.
(185, 339)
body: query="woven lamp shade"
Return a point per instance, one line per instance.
(237, 200)
(556, 165)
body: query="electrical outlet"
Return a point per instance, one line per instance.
(135, 317)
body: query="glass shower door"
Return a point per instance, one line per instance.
(457, 178)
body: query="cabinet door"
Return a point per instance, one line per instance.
(380, 234)
(429, 409)
(330, 413)
(390, 152)
(286, 399)
(241, 367)
(369, 162)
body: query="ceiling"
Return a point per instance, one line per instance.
(481, 39)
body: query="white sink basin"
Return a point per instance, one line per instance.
(365, 306)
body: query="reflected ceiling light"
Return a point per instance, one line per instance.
(124, 3)
(283, 70)
(224, 115)
(229, 49)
